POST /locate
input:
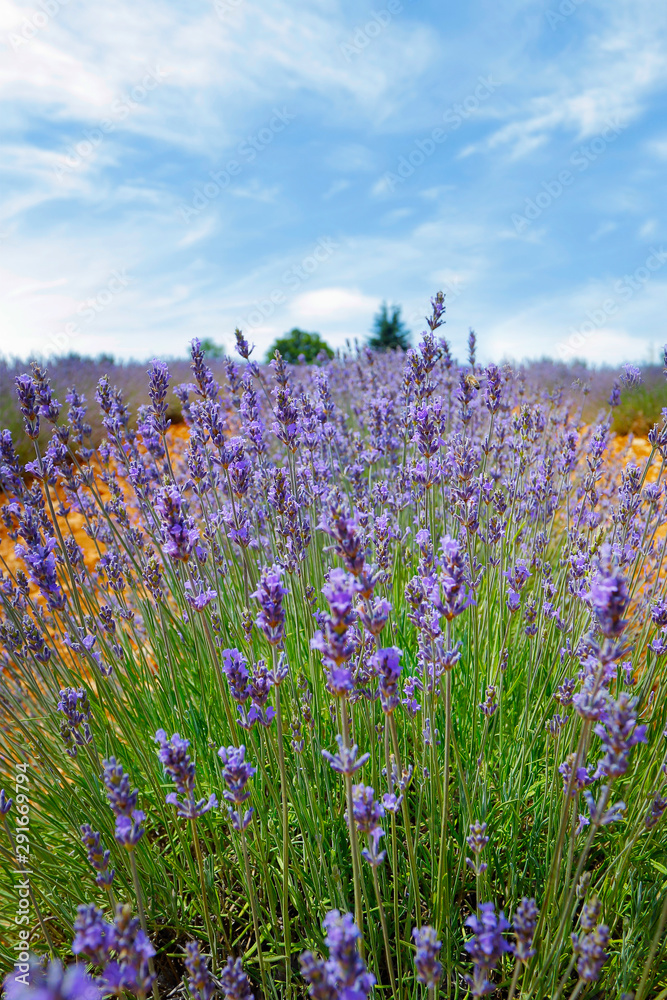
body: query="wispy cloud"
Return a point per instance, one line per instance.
(70, 215)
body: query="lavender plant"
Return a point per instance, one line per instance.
(420, 607)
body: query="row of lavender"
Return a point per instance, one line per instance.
(417, 609)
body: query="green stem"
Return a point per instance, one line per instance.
(354, 842)
(650, 958)
(142, 918)
(255, 918)
(207, 915)
(285, 815)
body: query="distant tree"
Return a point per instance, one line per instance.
(211, 349)
(298, 345)
(389, 330)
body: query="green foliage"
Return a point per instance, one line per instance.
(640, 407)
(389, 331)
(211, 349)
(299, 344)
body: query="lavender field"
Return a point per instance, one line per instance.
(351, 684)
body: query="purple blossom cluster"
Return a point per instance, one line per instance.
(413, 559)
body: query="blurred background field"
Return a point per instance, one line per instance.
(639, 409)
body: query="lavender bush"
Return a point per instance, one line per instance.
(357, 688)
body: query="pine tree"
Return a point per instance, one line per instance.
(389, 331)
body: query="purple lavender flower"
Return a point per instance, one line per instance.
(343, 976)
(320, 976)
(207, 387)
(178, 530)
(477, 841)
(615, 394)
(632, 376)
(180, 768)
(130, 970)
(609, 599)
(200, 981)
(158, 382)
(513, 601)
(269, 594)
(654, 815)
(374, 616)
(236, 772)
(75, 729)
(199, 596)
(234, 981)
(589, 947)
(345, 761)
(489, 706)
(427, 966)
(5, 803)
(580, 780)
(129, 830)
(599, 817)
(525, 923)
(242, 346)
(619, 732)
(347, 537)
(451, 596)
(28, 404)
(493, 388)
(40, 559)
(93, 936)
(53, 983)
(486, 947)
(235, 667)
(565, 691)
(386, 663)
(261, 683)
(368, 813)
(333, 639)
(97, 856)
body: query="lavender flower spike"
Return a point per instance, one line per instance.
(53, 983)
(525, 922)
(178, 766)
(5, 803)
(234, 981)
(237, 772)
(345, 761)
(486, 947)
(368, 814)
(343, 976)
(589, 947)
(129, 830)
(269, 594)
(200, 981)
(97, 856)
(427, 966)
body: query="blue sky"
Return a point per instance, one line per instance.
(173, 170)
